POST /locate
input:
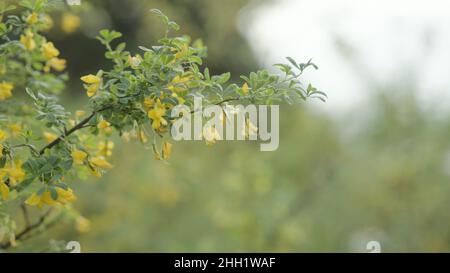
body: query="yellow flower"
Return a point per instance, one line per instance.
(3, 135)
(55, 63)
(6, 90)
(91, 79)
(93, 84)
(63, 196)
(70, 22)
(156, 115)
(4, 190)
(179, 84)
(34, 200)
(143, 137)
(211, 135)
(100, 162)
(78, 157)
(50, 51)
(245, 89)
(92, 89)
(105, 148)
(16, 128)
(104, 126)
(15, 172)
(28, 41)
(50, 137)
(32, 18)
(166, 150)
(1, 151)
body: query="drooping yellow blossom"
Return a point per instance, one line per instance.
(15, 128)
(166, 150)
(93, 84)
(55, 63)
(49, 137)
(96, 172)
(143, 137)
(32, 18)
(249, 129)
(245, 89)
(135, 61)
(3, 135)
(100, 162)
(156, 114)
(104, 126)
(64, 196)
(4, 189)
(92, 89)
(70, 22)
(179, 84)
(156, 153)
(105, 148)
(78, 157)
(15, 172)
(6, 90)
(211, 135)
(28, 41)
(80, 113)
(49, 50)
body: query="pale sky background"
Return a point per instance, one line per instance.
(392, 39)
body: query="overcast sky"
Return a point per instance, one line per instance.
(390, 39)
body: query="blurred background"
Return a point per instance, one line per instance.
(372, 163)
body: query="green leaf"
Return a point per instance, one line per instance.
(53, 193)
(222, 79)
(293, 62)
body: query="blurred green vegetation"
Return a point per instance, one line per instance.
(326, 189)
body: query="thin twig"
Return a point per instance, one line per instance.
(25, 214)
(29, 146)
(29, 228)
(77, 127)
